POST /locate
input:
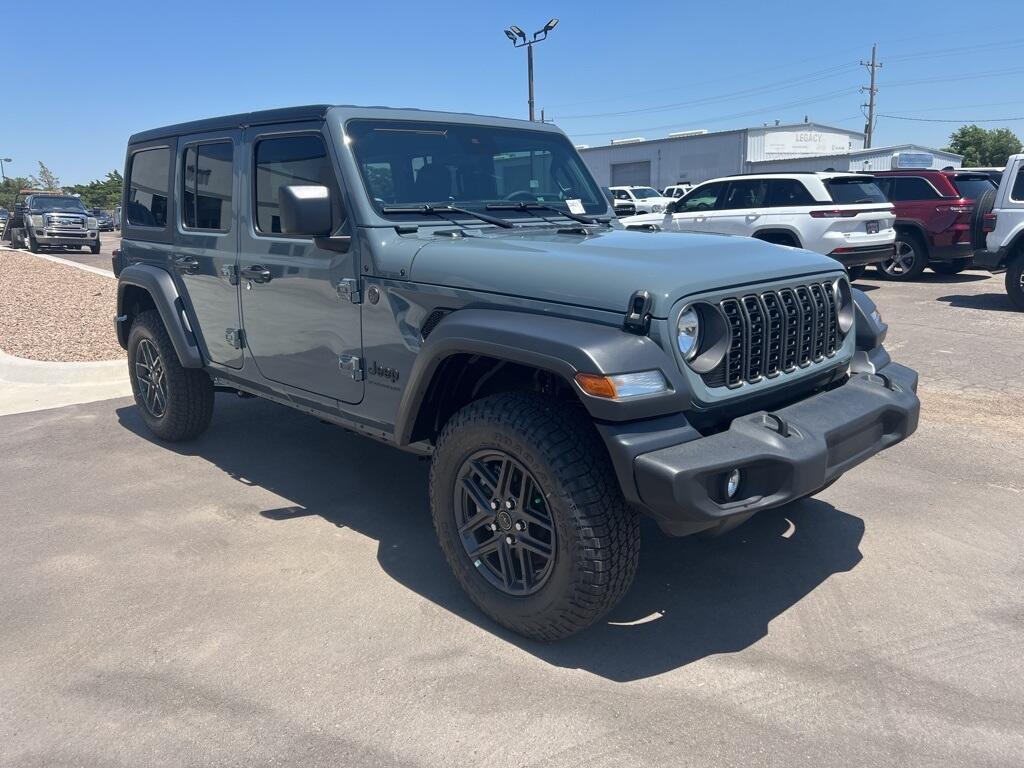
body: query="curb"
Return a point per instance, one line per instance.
(19, 370)
(65, 262)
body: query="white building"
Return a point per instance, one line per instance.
(694, 156)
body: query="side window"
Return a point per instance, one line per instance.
(286, 161)
(148, 187)
(784, 193)
(206, 186)
(1017, 193)
(749, 193)
(702, 198)
(912, 188)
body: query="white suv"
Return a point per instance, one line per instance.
(646, 199)
(998, 229)
(842, 215)
(676, 190)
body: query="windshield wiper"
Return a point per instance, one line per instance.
(443, 209)
(525, 206)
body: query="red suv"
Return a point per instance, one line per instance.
(933, 219)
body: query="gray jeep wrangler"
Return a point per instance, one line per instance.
(457, 286)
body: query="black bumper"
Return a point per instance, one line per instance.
(993, 261)
(863, 256)
(783, 456)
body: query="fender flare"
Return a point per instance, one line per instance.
(759, 234)
(559, 345)
(160, 286)
(918, 229)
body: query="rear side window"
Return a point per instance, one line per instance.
(702, 198)
(849, 191)
(148, 187)
(972, 187)
(1017, 193)
(905, 188)
(783, 193)
(749, 193)
(286, 161)
(206, 187)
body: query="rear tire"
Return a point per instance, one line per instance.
(909, 258)
(488, 456)
(95, 248)
(1015, 280)
(982, 205)
(175, 402)
(954, 267)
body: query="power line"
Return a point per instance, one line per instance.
(954, 78)
(944, 120)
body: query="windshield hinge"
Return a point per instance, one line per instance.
(638, 313)
(349, 289)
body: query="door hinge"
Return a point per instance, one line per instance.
(352, 364)
(349, 289)
(230, 271)
(235, 337)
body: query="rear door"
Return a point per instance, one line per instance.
(302, 328)
(205, 256)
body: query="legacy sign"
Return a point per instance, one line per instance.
(805, 143)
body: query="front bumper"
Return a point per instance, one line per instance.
(782, 456)
(57, 238)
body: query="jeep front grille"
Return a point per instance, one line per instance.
(776, 332)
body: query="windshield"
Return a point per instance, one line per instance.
(406, 163)
(72, 204)
(642, 193)
(972, 187)
(855, 190)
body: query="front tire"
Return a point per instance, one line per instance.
(95, 248)
(33, 244)
(529, 515)
(909, 258)
(175, 402)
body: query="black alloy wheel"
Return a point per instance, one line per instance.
(152, 379)
(504, 522)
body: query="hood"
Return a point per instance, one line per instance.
(602, 270)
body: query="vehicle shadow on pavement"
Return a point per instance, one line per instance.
(995, 302)
(691, 599)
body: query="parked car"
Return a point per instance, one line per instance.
(105, 222)
(998, 229)
(644, 199)
(52, 220)
(995, 174)
(5, 216)
(842, 215)
(933, 219)
(117, 217)
(676, 190)
(470, 305)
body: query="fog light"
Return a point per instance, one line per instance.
(732, 484)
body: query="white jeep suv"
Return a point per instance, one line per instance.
(998, 229)
(676, 190)
(646, 199)
(842, 215)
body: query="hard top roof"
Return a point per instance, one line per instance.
(319, 112)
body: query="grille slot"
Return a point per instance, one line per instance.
(776, 332)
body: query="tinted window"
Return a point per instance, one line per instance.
(749, 193)
(855, 189)
(148, 187)
(972, 187)
(788, 192)
(68, 204)
(290, 160)
(702, 198)
(206, 187)
(912, 188)
(644, 192)
(1017, 193)
(412, 163)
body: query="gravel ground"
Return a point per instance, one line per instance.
(57, 313)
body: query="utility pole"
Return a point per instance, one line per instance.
(871, 90)
(519, 40)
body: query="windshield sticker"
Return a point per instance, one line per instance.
(534, 184)
(575, 206)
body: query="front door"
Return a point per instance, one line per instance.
(298, 326)
(206, 238)
(690, 212)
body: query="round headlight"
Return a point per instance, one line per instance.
(844, 305)
(688, 333)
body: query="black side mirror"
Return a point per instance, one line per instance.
(306, 211)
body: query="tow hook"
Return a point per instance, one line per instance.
(776, 423)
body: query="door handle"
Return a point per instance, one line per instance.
(700, 219)
(257, 273)
(186, 264)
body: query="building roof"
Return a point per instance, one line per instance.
(770, 127)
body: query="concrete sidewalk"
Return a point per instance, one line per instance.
(32, 385)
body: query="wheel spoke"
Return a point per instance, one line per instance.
(486, 548)
(526, 566)
(508, 573)
(526, 541)
(505, 475)
(476, 494)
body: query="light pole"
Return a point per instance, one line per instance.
(3, 176)
(519, 40)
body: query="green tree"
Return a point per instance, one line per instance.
(46, 179)
(9, 190)
(982, 147)
(101, 193)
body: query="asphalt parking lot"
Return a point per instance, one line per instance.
(273, 594)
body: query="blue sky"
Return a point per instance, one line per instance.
(609, 69)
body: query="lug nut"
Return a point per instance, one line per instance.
(520, 526)
(495, 504)
(509, 540)
(510, 504)
(493, 526)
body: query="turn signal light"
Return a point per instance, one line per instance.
(598, 386)
(622, 385)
